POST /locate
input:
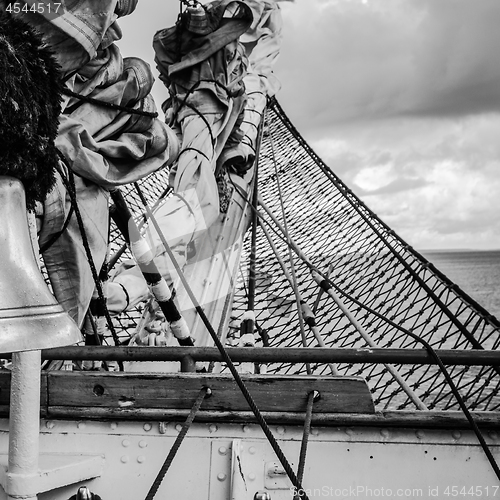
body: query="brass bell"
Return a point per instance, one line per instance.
(30, 316)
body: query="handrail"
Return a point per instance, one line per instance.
(274, 355)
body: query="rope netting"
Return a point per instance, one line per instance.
(366, 261)
(364, 258)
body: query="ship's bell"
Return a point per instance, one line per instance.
(30, 316)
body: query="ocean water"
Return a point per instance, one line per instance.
(476, 272)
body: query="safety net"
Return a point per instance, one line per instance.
(383, 288)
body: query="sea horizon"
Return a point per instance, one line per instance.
(433, 250)
(475, 271)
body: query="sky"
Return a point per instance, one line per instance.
(401, 98)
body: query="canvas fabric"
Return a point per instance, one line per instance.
(104, 147)
(206, 75)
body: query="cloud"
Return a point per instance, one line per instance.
(435, 182)
(401, 98)
(397, 185)
(348, 60)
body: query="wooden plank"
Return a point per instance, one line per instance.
(282, 393)
(5, 389)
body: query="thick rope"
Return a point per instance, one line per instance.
(305, 436)
(177, 443)
(70, 186)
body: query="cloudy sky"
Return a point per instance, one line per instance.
(401, 98)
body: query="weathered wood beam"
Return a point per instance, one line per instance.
(118, 391)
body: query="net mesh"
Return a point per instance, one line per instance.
(368, 262)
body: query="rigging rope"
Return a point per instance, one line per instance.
(311, 398)
(70, 186)
(204, 392)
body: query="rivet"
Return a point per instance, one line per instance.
(419, 434)
(143, 444)
(178, 427)
(162, 427)
(251, 476)
(212, 428)
(385, 433)
(125, 443)
(141, 459)
(81, 425)
(246, 428)
(124, 459)
(493, 435)
(280, 430)
(251, 450)
(147, 427)
(222, 450)
(221, 476)
(49, 424)
(349, 432)
(314, 431)
(456, 435)
(113, 425)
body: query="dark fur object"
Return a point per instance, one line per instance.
(30, 104)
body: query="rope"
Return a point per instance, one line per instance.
(105, 104)
(443, 369)
(260, 419)
(312, 396)
(204, 392)
(70, 186)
